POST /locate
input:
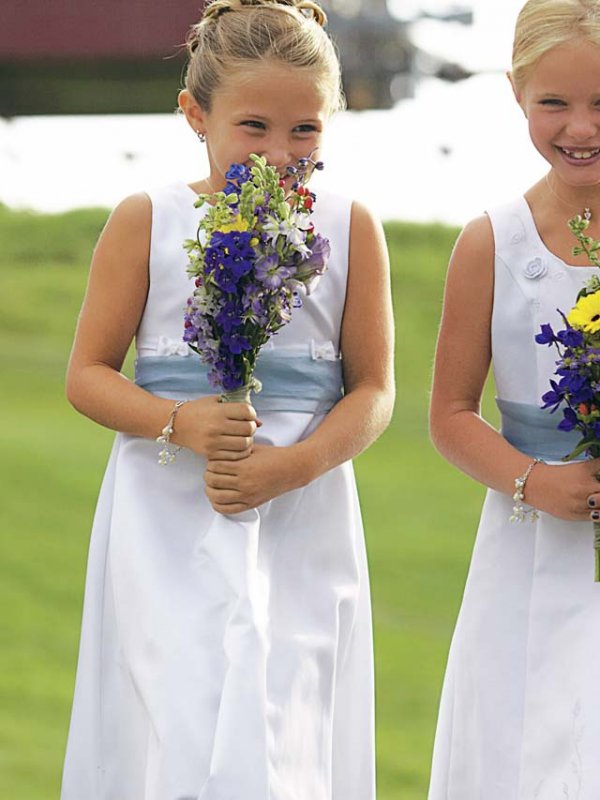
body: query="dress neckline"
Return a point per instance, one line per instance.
(531, 222)
(189, 189)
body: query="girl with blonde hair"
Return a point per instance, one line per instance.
(226, 648)
(520, 709)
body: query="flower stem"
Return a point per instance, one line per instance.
(597, 551)
(241, 395)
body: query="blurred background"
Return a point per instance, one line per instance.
(432, 137)
(430, 107)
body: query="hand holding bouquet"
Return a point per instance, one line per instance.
(255, 253)
(577, 389)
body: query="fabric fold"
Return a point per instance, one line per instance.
(239, 764)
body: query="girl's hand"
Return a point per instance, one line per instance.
(222, 431)
(566, 491)
(235, 486)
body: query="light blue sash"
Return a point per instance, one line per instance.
(534, 431)
(291, 381)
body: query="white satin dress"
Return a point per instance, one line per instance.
(520, 709)
(225, 658)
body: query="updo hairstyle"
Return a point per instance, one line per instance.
(233, 33)
(545, 24)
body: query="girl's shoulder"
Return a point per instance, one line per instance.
(502, 226)
(134, 207)
(476, 240)
(129, 222)
(471, 265)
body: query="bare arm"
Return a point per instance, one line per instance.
(110, 315)
(461, 366)
(365, 410)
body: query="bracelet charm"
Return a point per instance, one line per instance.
(520, 513)
(168, 453)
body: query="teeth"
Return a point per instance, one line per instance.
(581, 154)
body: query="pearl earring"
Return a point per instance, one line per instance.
(201, 137)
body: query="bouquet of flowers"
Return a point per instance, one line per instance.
(255, 253)
(577, 389)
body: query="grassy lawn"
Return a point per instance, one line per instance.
(420, 514)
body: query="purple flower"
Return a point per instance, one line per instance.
(229, 257)
(553, 398)
(569, 421)
(547, 335)
(271, 273)
(229, 317)
(231, 381)
(238, 172)
(236, 343)
(577, 387)
(320, 250)
(570, 337)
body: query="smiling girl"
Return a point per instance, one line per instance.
(520, 709)
(163, 708)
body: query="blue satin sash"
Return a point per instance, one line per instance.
(291, 381)
(534, 431)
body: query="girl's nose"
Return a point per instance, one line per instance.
(581, 126)
(278, 153)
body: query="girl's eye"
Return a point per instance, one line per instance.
(307, 128)
(553, 102)
(253, 123)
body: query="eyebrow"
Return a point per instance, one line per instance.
(261, 118)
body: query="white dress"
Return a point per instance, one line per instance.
(520, 709)
(225, 658)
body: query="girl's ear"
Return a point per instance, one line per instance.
(192, 111)
(517, 92)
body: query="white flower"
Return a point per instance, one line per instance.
(535, 269)
(291, 228)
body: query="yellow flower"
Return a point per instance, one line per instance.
(585, 315)
(238, 224)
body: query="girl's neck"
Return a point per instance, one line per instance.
(572, 200)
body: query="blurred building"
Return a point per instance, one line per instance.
(127, 56)
(91, 56)
(376, 54)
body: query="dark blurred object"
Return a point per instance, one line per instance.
(374, 51)
(452, 72)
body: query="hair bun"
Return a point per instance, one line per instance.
(215, 9)
(313, 10)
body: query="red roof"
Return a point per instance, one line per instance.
(94, 29)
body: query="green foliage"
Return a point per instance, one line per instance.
(587, 245)
(420, 514)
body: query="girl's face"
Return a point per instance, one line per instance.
(561, 100)
(271, 109)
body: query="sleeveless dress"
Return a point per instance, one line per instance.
(226, 657)
(520, 709)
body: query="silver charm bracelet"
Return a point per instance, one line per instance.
(167, 453)
(520, 513)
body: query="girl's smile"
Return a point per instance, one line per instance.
(579, 157)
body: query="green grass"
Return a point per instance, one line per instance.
(420, 514)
